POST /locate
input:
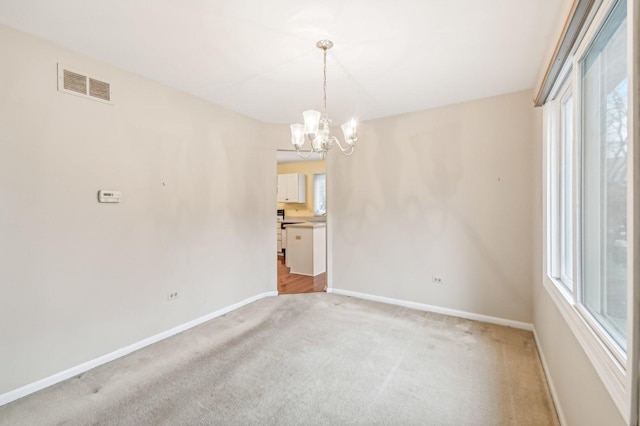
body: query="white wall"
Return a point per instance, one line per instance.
(80, 279)
(441, 192)
(582, 398)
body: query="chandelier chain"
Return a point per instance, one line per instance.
(324, 87)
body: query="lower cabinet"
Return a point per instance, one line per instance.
(282, 239)
(306, 249)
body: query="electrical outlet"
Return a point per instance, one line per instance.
(172, 296)
(436, 279)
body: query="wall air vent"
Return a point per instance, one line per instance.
(99, 89)
(80, 84)
(75, 82)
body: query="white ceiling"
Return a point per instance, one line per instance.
(259, 57)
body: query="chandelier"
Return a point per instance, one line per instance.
(316, 124)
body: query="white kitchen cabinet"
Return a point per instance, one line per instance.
(292, 188)
(306, 248)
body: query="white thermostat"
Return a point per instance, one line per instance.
(108, 196)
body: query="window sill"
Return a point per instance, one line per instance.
(608, 368)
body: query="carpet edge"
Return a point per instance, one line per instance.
(547, 374)
(33, 387)
(435, 309)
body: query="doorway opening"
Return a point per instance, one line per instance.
(301, 223)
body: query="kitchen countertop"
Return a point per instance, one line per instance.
(301, 219)
(307, 225)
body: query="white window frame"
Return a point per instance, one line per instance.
(565, 279)
(556, 189)
(617, 370)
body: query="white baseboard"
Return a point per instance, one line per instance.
(552, 388)
(10, 396)
(291, 271)
(436, 309)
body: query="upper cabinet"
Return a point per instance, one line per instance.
(292, 188)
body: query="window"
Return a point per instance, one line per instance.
(566, 223)
(320, 194)
(563, 253)
(588, 163)
(603, 75)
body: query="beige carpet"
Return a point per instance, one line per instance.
(310, 359)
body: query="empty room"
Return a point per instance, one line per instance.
(457, 196)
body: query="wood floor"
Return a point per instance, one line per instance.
(289, 283)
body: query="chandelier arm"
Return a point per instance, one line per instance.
(301, 153)
(346, 151)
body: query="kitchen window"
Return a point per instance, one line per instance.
(320, 194)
